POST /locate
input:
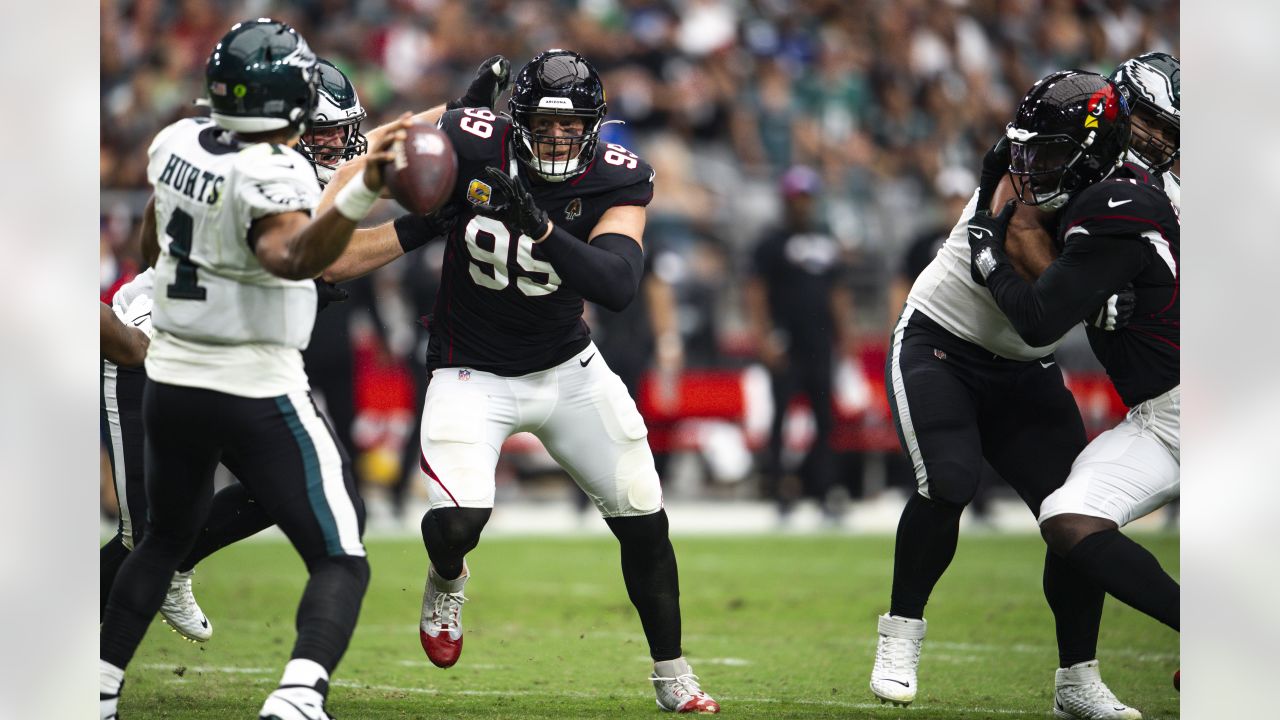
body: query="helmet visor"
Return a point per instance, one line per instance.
(1038, 167)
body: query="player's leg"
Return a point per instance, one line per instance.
(183, 427)
(815, 379)
(1124, 474)
(934, 409)
(121, 418)
(596, 433)
(782, 386)
(467, 415)
(289, 460)
(1031, 441)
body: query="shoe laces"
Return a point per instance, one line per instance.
(447, 607)
(681, 686)
(1095, 692)
(897, 653)
(180, 594)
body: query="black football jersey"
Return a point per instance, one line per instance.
(1131, 206)
(501, 306)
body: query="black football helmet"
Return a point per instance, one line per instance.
(1152, 84)
(334, 136)
(261, 76)
(557, 82)
(1069, 132)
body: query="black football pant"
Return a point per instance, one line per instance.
(286, 456)
(808, 370)
(954, 404)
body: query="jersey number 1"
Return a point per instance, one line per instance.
(180, 230)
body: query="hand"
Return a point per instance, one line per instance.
(493, 77)
(385, 152)
(986, 241)
(327, 292)
(516, 207)
(995, 164)
(1116, 312)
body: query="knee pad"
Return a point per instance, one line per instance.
(457, 528)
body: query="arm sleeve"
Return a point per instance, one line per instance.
(1089, 271)
(607, 271)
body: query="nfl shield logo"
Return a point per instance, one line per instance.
(939, 354)
(464, 375)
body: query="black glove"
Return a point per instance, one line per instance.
(986, 241)
(995, 164)
(1116, 312)
(327, 292)
(492, 78)
(414, 231)
(516, 207)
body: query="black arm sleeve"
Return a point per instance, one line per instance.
(1088, 272)
(606, 272)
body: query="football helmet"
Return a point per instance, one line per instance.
(334, 135)
(261, 76)
(1152, 84)
(557, 82)
(1069, 132)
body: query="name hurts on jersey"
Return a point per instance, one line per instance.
(501, 306)
(183, 176)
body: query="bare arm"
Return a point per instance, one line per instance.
(756, 298)
(621, 219)
(123, 345)
(842, 317)
(150, 241)
(1029, 244)
(430, 116)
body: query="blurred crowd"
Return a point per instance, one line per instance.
(891, 103)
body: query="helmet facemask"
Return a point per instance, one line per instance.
(1155, 135)
(327, 145)
(1043, 168)
(555, 157)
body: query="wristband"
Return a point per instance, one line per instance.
(355, 199)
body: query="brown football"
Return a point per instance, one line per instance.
(425, 168)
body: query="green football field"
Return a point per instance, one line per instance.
(776, 627)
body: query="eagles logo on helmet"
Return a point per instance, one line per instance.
(1152, 85)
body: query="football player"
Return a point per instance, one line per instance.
(546, 216)
(234, 304)
(1119, 226)
(964, 386)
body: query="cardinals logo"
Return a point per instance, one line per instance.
(1104, 104)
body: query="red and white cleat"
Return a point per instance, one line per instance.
(678, 691)
(441, 626)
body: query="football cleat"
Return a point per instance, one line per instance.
(107, 703)
(296, 702)
(182, 613)
(893, 678)
(681, 693)
(441, 627)
(1080, 694)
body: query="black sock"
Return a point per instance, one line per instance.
(449, 534)
(233, 516)
(652, 579)
(926, 543)
(1130, 573)
(110, 558)
(329, 609)
(1076, 602)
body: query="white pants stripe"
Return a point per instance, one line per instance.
(119, 468)
(900, 403)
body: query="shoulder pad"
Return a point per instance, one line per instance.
(189, 125)
(476, 134)
(1119, 206)
(615, 169)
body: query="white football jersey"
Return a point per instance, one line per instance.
(222, 321)
(946, 292)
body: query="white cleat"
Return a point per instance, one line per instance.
(182, 613)
(294, 703)
(107, 706)
(893, 679)
(678, 691)
(1080, 694)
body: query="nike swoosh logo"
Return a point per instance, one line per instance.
(903, 684)
(204, 623)
(1117, 203)
(583, 363)
(1051, 363)
(978, 232)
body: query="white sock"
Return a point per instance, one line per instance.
(303, 672)
(455, 585)
(110, 678)
(672, 668)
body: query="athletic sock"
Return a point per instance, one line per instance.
(301, 672)
(671, 668)
(1076, 602)
(110, 678)
(927, 535)
(455, 585)
(1130, 573)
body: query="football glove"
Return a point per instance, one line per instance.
(995, 164)
(516, 208)
(493, 77)
(327, 292)
(986, 241)
(1116, 312)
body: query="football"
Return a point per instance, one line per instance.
(424, 170)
